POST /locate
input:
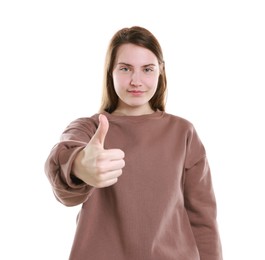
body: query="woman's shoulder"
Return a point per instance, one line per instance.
(179, 120)
(84, 124)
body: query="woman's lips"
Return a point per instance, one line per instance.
(136, 92)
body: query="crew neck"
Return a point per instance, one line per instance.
(155, 115)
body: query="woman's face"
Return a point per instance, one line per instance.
(135, 78)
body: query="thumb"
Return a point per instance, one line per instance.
(103, 127)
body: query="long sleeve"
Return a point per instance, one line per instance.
(58, 166)
(200, 200)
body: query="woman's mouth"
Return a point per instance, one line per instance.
(136, 92)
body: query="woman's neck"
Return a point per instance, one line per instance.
(133, 112)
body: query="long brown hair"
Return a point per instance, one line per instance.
(141, 37)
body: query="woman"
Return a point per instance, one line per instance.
(141, 174)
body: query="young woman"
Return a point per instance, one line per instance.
(141, 174)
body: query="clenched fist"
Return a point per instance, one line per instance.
(95, 165)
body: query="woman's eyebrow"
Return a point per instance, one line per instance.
(148, 65)
(124, 63)
(129, 65)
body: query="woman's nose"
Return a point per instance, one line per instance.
(136, 79)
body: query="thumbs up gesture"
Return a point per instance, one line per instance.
(96, 166)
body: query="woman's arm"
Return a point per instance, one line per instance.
(200, 202)
(67, 188)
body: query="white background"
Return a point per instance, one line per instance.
(51, 65)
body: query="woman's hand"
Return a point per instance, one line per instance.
(95, 165)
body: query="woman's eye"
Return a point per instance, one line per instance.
(125, 69)
(148, 69)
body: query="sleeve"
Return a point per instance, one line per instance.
(68, 189)
(200, 200)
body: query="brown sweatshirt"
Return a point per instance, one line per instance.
(163, 206)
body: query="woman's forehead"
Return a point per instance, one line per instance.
(135, 55)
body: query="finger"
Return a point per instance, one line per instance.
(107, 183)
(103, 127)
(108, 179)
(111, 166)
(103, 177)
(112, 154)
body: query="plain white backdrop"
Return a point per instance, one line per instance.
(51, 68)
